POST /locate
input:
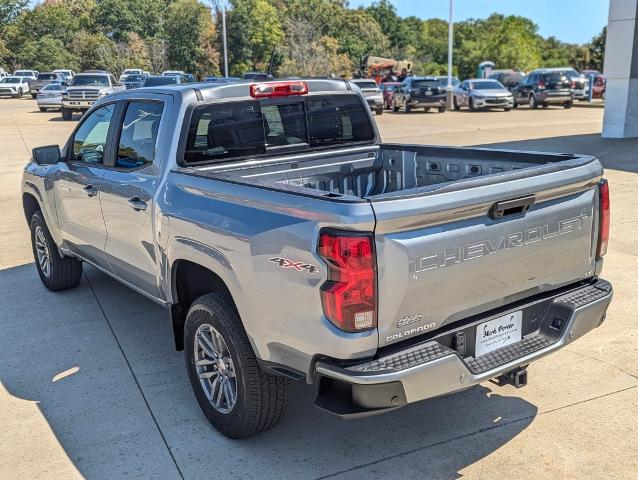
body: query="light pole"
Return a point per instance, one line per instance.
(224, 38)
(450, 44)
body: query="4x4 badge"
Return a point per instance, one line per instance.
(299, 266)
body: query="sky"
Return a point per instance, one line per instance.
(572, 21)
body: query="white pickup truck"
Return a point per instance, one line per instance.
(85, 89)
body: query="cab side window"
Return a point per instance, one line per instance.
(89, 141)
(138, 136)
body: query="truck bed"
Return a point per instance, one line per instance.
(390, 170)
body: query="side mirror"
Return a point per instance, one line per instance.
(49, 155)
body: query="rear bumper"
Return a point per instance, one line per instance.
(437, 101)
(375, 102)
(432, 369)
(548, 98)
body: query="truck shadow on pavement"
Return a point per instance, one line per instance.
(99, 362)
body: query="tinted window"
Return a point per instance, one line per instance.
(89, 141)
(159, 81)
(139, 134)
(25, 73)
(425, 84)
(236, 129)
(53, 86)
(11, 80)
(90, 80)
(485, 85)
(555, 77)
(134, 78)
(366, 84)
(47, 76)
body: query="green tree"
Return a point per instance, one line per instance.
(597, 51)
(46, 54)
(119, 17)
(360, 35)
(191, 38)
(96, 51)
(9, 11)
(254, 34)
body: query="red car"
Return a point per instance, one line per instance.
(600, 83)
(388, 89)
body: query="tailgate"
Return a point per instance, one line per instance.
(445, 255)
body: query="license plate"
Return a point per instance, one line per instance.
(428, 92)
(499, 332)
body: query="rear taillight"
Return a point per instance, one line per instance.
(349, 296)
(278, 89)
(603, 222)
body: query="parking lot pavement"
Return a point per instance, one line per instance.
(91, 386)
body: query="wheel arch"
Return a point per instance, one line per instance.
(189, 281)
(30, 205)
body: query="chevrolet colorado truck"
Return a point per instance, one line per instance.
(288, 242)
(85, 89)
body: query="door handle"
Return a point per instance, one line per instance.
(90, 191)
(137, 204)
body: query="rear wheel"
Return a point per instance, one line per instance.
(532, 102)
(56, 272)
(34, 96)
(66, 113)
(407, 108)
(235, 394)
(379, 110)
(567, 105)
(42, 109)
(471, 105)
(442, 109)
(455, 104)
(395, 107)
(507, 109)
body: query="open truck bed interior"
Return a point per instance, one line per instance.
(390, 170)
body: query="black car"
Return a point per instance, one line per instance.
(542, 88)
(133, 81)
(420, 92)
(508, 79)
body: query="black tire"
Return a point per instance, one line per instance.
(442, 109)
(507, 109)
(380, 111)
(567, 105)
(66, 113)
(426, 109)
(515, 105)
(407, 108)
(34, 96)
(261, 398)
(471, 105)
(395, 107)
(42, 109)
(455, 104)
(533, 104)
(63, 272)
(20, 93)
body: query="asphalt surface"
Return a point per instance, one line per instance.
(90, 385)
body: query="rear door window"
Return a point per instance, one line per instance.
(138, 135)
(247, 128)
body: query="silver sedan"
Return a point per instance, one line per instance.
(50, 96)
(480, 93)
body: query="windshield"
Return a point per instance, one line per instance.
(47, 76)
(11, 80)
(134, 78)
(131, 72)
(247, 128)
(53, 86)
(90, 80)
(24, 73)
(486, 85)
(425, 84)
(159, 81)
(365, 84)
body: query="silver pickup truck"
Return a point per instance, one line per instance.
(85, 89)
(289, 243)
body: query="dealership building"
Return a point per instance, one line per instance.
(621, 70)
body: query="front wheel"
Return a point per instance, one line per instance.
(380, 111)
(34, 96)
(455, 104)
(471, 105)
(442, 109)
(235, 394)
(56, 272)
(567, 105)
(42, 109)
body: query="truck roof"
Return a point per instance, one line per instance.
(239, 88)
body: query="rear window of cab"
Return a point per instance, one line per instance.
(224, 131)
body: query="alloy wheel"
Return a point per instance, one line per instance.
(42, 252)
(215, 368)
